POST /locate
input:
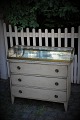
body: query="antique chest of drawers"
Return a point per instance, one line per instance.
(41, 73)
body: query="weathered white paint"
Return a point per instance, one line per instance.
(43, 82)
(75, 69)
(34, 37)
(16, 35)
(52, 35)
(40, 37)
(45, 35)
(10, 32)
(59, 37)
(28, 36)
(3, 62)
(65, 37)
(22, 37)
(79, 55)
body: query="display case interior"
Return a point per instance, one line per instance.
(64, 54)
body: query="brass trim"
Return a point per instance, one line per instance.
(37, 59)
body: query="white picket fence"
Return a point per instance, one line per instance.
(40, 38)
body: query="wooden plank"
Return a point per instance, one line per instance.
(59, 37)
(22, 37)
(6, 48)
(72, 37)
(46, 37)
(5, 37)
(52, 36)
(40, 94)
(78, 81)
(16, 35)
(28, 36)
(66, 37)
(11, 40)
(34, 38)
(40, 37)
(71, 72)
(41, 82)
(40, 69)
(75, 69)
(72, 45)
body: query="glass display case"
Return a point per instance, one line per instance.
(54, 54)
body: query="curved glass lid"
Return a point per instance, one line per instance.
(41, 53)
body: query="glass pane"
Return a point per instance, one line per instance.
(41, 53)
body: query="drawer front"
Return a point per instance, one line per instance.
(39, 69)
(39, 82)
(49, 95)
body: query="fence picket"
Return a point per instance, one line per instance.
(72, 45)
(66, 37)
(59, 37)
(6, 47)
(75, 69)
(5, 36)
(34, 38)
(40, 38)
(28, 37)
(22, 37)
(72, 37)
(46, 37)
(72, 73)
(52, 36)
(16, 35)
(10, 32)
(78, 81)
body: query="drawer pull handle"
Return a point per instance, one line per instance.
(19, 80)
(18, 67)
(20, 91)
(56, 70)
(56, 96)
(56, 83)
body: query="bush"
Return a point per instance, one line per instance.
(41, 13)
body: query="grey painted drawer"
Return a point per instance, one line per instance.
(39, 82)
(39, 69)
(49, 95)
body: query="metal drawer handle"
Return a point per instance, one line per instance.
(19, 79)
(20, 91)
(56, 70)
(18, 67)
(56, 96)
(56, 83)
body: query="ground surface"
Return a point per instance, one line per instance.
(26, 109)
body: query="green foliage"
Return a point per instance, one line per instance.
(20, 13)
(41, 13)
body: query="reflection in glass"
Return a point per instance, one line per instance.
(41, 53)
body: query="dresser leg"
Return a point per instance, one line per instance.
(65, 106)
(12, 99)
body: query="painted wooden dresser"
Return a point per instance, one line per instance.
(42, 73)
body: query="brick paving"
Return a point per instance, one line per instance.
(26, 109)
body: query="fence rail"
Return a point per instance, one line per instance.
(51, 38)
